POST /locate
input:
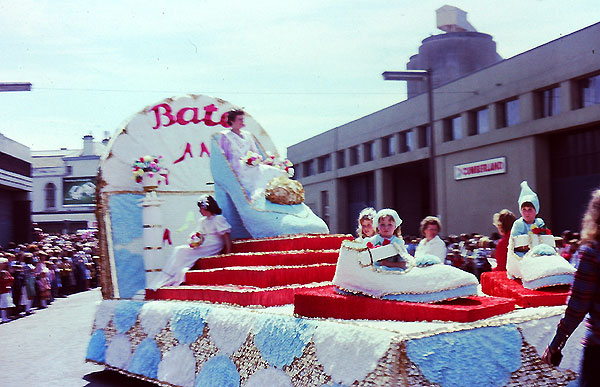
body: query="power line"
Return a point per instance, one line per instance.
(217, 92)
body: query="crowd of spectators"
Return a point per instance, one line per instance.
(52, 266)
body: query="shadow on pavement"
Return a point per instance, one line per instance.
(107, 378)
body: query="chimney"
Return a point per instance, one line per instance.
(88, 145)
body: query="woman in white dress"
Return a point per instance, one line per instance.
(236, 143)
(431, 243)
(213, 237)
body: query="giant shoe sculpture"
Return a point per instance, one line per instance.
(257, 217)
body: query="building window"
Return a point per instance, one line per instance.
(69, 169)
(589, 91)
(308, 168)
(354, 155)
(368, 151)
(423, 136)
(453, 128)
(482, 121)
(511, 112)
(407, 142)
(325, 206)
(388, 146)
(324, 163)
(50, 195)
(548, 102)
(341, 161)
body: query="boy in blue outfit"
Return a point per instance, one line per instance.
(529, 205)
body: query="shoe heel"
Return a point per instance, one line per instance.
(238, 230)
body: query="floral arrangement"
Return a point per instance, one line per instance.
(254, 159)
(145, 164)
(543, 230)
(196, 240)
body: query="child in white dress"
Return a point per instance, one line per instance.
(214, 234)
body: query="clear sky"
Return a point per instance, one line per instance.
(299, 67)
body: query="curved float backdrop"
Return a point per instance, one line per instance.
(179, 130)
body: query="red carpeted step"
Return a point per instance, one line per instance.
(323, 302)
(275, 258)
(263, 277)
(229, 294)
(291, 242)
(496, 283)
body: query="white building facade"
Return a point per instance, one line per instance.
(64, 187)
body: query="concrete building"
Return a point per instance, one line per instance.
(535, 117)
(64, 186)
(15, 189)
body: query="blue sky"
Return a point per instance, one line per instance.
(300, 68)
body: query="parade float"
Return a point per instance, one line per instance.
(271, 313)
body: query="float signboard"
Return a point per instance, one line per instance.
(79, 190)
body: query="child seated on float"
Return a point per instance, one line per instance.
(529, 206)
(388, 232)
(212, 238)
(365, 224)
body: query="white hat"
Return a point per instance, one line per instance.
(528, 196)
(388, 212)
(368, 213)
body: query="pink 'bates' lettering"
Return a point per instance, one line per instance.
(182, 117)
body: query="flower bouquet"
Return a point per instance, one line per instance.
(196, 240)
(254, 159)
(543, 230)
(146, 164)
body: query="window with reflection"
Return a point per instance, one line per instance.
(407, 141)
(309, 168)
(324, 163)
(368, 150)
(548, 102)
(589, 91)
(50, 195)
(482, 121)
(388, 146)
(354, 155)
(340, 159)
(511, 112)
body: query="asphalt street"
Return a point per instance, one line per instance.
(48, 348)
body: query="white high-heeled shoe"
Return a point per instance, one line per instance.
(257, 217)
(411, 280)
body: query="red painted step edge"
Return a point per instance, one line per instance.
(276, 258)
(496, 283)
(263, 277)
(235, 295)
(325, 303)
(291, 242)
